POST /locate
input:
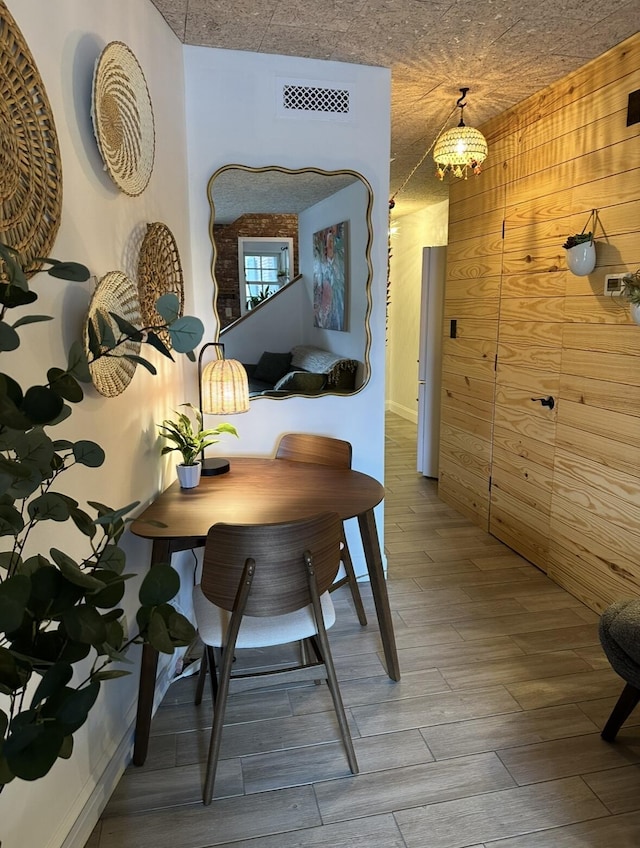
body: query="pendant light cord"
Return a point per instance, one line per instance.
(424, 156)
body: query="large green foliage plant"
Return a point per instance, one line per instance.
(61, 624)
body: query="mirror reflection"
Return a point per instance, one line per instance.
(292, 273)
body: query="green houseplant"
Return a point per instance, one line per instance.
(576, 239)
(631, 287)
(631, 292)
(61, 626)
(190, 440)
(256, 299)
(580, 253)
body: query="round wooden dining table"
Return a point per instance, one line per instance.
(260, 491)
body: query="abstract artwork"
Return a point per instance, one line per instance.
(330, 278)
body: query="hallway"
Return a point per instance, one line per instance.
(491, 738)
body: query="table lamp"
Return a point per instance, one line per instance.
(223, 389)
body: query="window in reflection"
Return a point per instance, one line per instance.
(263, 268)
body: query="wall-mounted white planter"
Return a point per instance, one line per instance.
(581, 259)
(634, 311)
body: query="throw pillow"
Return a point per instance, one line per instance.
(271, 367)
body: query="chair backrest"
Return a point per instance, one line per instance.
(281, 579)
(307, 447)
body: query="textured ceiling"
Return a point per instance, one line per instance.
(236, 191)
(503, 50)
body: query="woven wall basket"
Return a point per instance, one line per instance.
(159, 272)
(123, 118)
(30, 166)
(115, 292)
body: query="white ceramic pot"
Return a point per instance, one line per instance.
(634, 310)
(581, 259)
(189, 475)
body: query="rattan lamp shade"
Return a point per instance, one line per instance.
(225, 387)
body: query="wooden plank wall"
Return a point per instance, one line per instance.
(565, 483)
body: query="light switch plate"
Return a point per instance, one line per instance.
(633, 108)
(613, 284)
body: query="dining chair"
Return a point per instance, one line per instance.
(325, 450)
(265, 585)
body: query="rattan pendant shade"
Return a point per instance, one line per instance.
(159, 272)
(123, 118)
(115, 292)
(30, 166)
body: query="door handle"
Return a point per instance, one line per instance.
(548, 401)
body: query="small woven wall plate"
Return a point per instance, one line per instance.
(123, 118)
(30, 166)
(159, 272)
(115, 292)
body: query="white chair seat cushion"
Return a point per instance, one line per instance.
(258, 632)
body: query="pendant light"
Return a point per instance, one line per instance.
(461, 148)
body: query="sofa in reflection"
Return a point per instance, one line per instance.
(305, 370)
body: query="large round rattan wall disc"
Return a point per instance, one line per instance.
(30, 167)
(123, 118)
(159, 272)
(114, 293)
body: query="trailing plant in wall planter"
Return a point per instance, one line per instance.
(581, 253)
(60, 620)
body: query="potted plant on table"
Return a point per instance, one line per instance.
(631, 291)
(581, 253)
(191, 441)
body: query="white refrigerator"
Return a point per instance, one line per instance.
(434, 267)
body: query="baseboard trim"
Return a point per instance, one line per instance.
(402, 411)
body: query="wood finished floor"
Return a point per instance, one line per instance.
(490, 739)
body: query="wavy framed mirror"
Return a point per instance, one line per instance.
(291, 269)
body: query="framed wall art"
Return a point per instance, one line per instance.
(330, 278)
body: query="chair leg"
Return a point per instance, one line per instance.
(218, 724)
(202, 675)
(353, 582)
(213, 674)
(307, 648)
(332, 682)
(621, 712)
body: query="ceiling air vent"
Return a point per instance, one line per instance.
(314, 100)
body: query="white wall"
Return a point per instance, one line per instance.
(266, 329)
(425, 228)
(232, 118)
(103, 228)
